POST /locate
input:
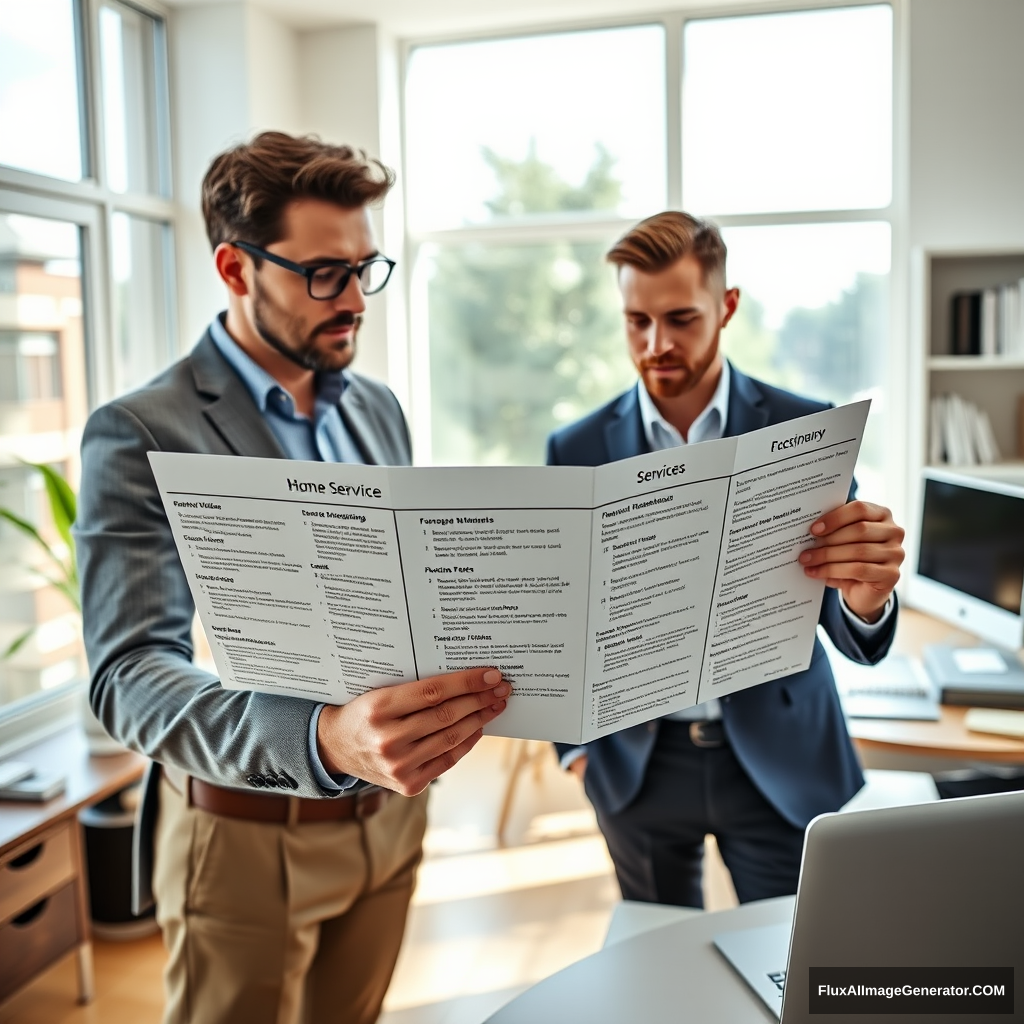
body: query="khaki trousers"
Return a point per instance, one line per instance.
(282, 924)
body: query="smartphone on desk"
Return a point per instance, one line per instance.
(36, 788)
(14, 771)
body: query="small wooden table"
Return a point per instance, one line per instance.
(44, 902)
(947, 738)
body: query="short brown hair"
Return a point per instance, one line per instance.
(656, 243)
(247, 188)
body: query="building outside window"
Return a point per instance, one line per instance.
(526, 157)
(86, 289)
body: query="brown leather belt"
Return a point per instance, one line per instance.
(279, 809)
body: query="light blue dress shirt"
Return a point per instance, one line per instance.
(708, 426)
(324, 438)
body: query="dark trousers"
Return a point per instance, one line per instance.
(657, 842)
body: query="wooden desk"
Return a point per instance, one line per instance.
(947, 738)
(44, 905)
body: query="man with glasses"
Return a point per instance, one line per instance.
(283, 835)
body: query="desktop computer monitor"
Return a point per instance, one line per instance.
(970, 558)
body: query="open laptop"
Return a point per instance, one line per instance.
(935, 885)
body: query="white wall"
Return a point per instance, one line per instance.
(966, 123)
(209, 107)
(237, 70)
(234, 71)
(272, 67)
(348, 82)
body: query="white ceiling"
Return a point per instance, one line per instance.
(411, 18)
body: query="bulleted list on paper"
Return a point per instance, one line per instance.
(502, 585)
(297, 597)
(655, 555)
(764, 609)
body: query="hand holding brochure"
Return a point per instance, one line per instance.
(607, 596)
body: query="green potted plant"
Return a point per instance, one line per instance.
(62, 569)
(59, 570)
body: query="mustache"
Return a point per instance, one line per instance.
(346, 318)
(658, 362)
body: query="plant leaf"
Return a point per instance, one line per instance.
(26, 527)
(17, 643)
(67, 586)
(63, 506)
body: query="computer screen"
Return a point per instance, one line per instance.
(973, 540)
(970, 562)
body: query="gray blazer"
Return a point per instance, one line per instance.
(137, 608)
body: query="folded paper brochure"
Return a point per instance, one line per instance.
(608, 596)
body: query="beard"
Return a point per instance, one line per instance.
(688, 377)
(290, 337)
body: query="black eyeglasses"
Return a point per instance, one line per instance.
(329, 279)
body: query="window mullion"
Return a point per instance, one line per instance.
(527, 234)
(674, 110)
(730, 220)
(91, 91)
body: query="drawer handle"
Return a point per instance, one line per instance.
(26, 858)
(28, 916)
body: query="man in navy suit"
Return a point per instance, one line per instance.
(753, 768)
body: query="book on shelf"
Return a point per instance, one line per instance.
(988, 322)
(961, 433)
(966, 323)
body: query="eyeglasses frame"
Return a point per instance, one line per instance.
(308, 272)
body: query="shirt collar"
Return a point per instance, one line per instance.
(329, 385)
(708, 426)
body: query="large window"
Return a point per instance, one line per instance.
(86, 288)
(40, 88)
(526, 157)
(798, 171)
(521, 154)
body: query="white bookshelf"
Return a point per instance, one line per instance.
(993, 383)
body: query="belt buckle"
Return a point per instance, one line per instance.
(698, 739)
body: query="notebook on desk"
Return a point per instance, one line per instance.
(897, 687)
(932, 886)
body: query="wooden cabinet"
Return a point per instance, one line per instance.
(44, 911)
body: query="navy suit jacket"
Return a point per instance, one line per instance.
(789, 734)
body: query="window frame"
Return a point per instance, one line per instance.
(412, 375)
(91, 204)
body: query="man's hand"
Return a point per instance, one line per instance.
(579, 767)
(402, 737)
(859, 551)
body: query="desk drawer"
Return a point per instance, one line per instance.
(35, 938)
(38, 867)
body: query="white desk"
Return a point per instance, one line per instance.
(669, 975)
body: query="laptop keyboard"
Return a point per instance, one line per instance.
(887, 690)
(779, 977)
